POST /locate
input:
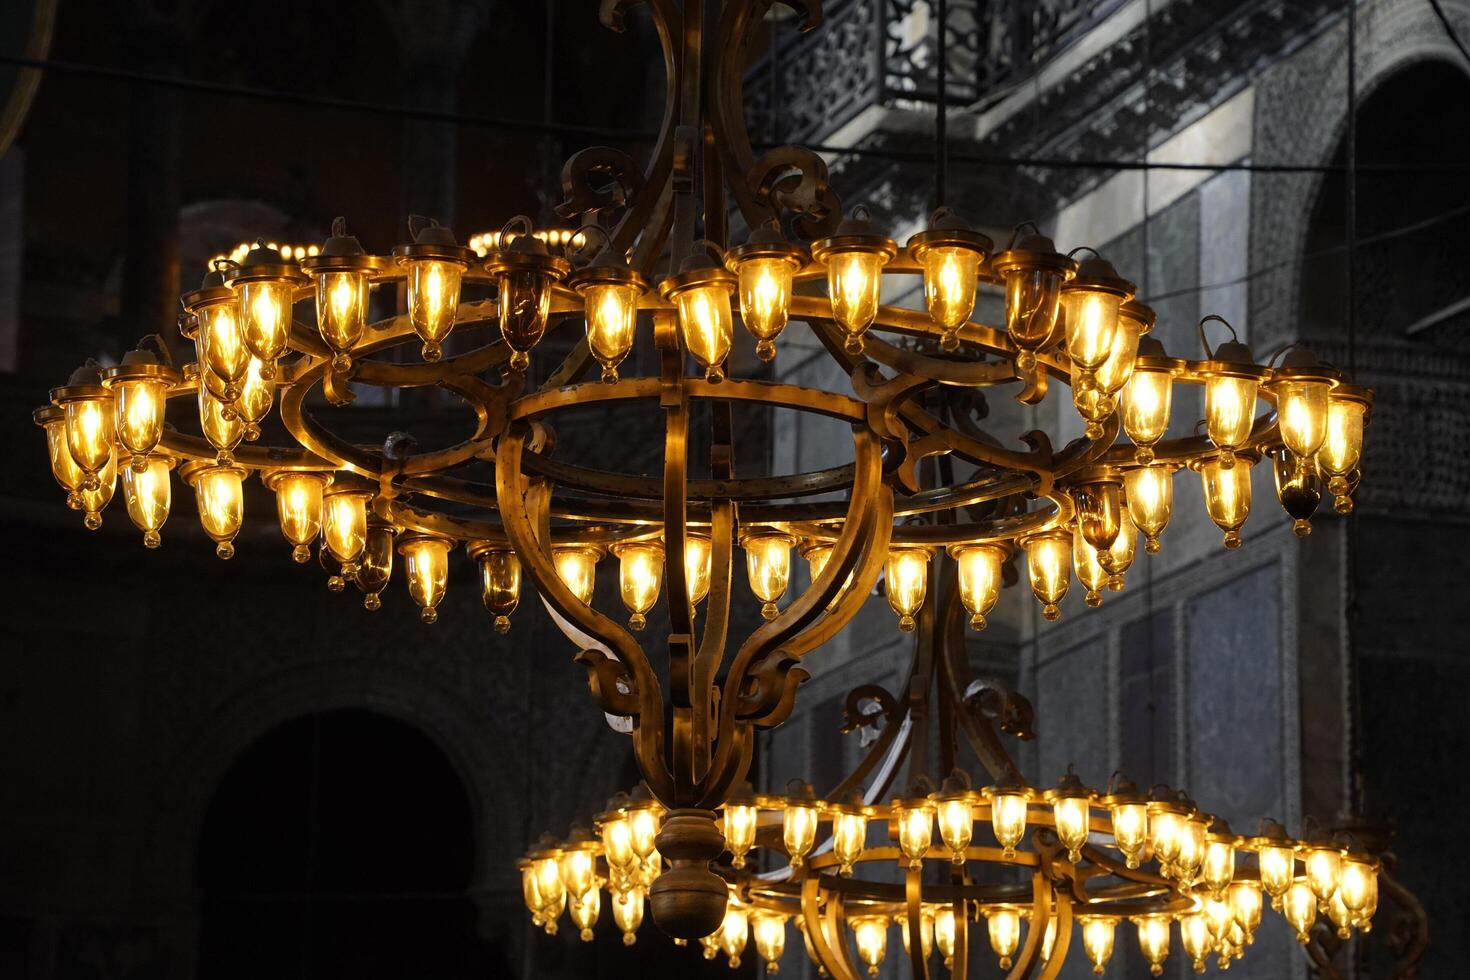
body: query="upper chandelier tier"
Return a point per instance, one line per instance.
(295, 334)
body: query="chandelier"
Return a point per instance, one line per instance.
(927, 489)
(1027, 862)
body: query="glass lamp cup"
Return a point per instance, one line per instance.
(979, 568)
(299, 508)
(148, 494)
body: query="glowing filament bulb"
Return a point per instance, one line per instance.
(221, 425)
(949, 287)
(739, 826)
(769, 931)
(344, 523)
(1049, 566)
(1324, 871)
(266, 304)
(698, 554)
(734, 931)
(870, 935)
(1150, 494)
(1230, 405)
(220, 495)
(617, 844)
(1278, 869)
(1090, 573)
(221, 346)
(433, 302)
(1070, 814)
(1153, 941)
(148, 495)
(914, 822)
(706, 324)
(1342, 446)
(956, 825)
(1218, 868)
(849, 838)
(765, 299)
(585, 908)
(1008, 817)
(1167, 829)
(1227, 491)
(944, 934)
(64, 468)
(1146, 402)
(627, 909)
(640, 573)
(576, 566)
(906, 574)
(1301, 415)
(1299, 907)
(1130, 830)
(768, 566)
(926, 932)
(798, 831)
(426, 562)
(1004, 927)
(1356, 883)
(89, 434)
(980, 568)
(854, 281)
(1091, 319)
(642, 829)
(612, 321)
(1195, 937)
(341, 313)
(1245, 903)
(139, 408)
(1097, 940)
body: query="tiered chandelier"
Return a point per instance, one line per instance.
(927, 489)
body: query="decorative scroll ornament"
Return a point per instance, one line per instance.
(926, 487)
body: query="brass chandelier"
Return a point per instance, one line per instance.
(928, 497)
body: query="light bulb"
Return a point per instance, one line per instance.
(1032, 274)
(1166, 830)
(138, 410)
(734, 931)
(1323, 866)
(612, 322)
(950, 281)
(768, 567)
(617, 844)
(944, 934)
(426, 566)
(1008, 816)
(698, 554)
(576, 566)
(1278, 869)
(769, 931)
(89, 431)
(1090, 306)
(344, 520)
(1301, 414)
(1218, 868)
(1191, 848)
(585, 909)
(1123, 551)
(913, 824)
(148, 494)
(1299, 907)
(798, 829)
(1340, 916)
(549, 884)
(1227, 493)
(642, 830)
(906, 575)
(1220, 918)
(627, 909)
(849, 837)
(956, 824)
(1150, 496)
(1147, 398)
(1115, 371)
(739, 820)
(1130, 830)
(1230, 407)
(1090, 573)
(500, 581)
(870, 935)
(980, 578)
(1245, 904)
(257, 392)
(1195, 937)
(1097, 940)
(1153, 941)
(854, 282)
(1004, 927)
(1355, 883)
(706, 325)
(530, 893)
(765, 298)
(341, 312)
(1070, 815)
(299, 508)
(433, 302)
(1100, 515)
(221, 345)
(221, 425)
(219, 492)
(926, 932)
(375, 564)
(93, 502)
(64, 469)
(266, 318)
(640, 573)
(1049, 566)
(576, 864)
(1342, 446)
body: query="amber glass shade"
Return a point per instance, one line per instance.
(148, 493)
(138, 409)
(299, 509)
(707, 326)
(265, 306)
(768, 566)
(906, 576)
(640, 574)
(219, 492)
(426, 565)
(980, 569)
(500, 585)
(854, 282)
(433, 301)
(341, 312)
(612, 322)
(765, 299)
(221, 346)
(1227, 495)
